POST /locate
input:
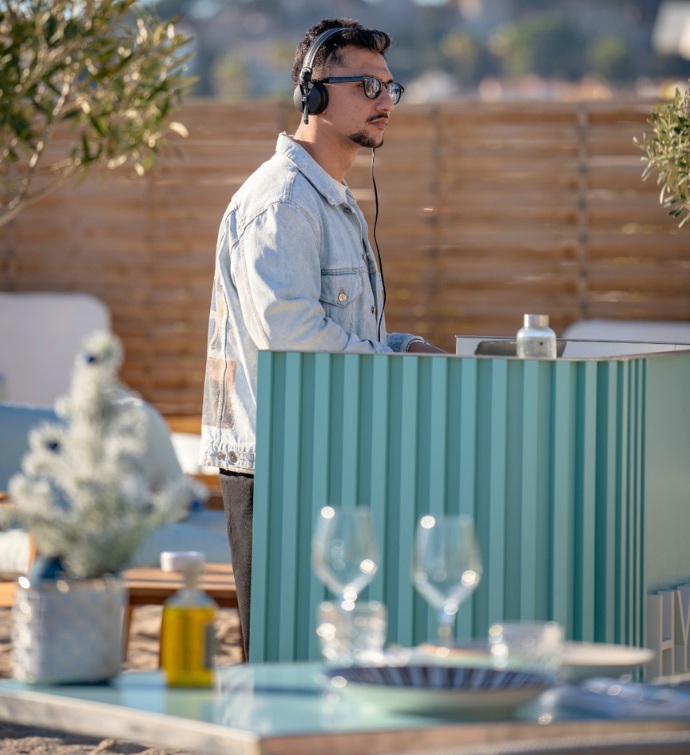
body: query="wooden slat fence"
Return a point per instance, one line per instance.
(487, 211)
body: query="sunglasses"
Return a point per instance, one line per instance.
(371, 85)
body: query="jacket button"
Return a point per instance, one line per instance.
(220, 455)
(342, 296)
(233, 457)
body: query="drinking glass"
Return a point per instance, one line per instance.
(446, 566)
(527, 645)
(344, 554)
(353, 634)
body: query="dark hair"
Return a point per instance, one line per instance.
(354, 34)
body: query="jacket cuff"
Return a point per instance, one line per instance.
(400, 342)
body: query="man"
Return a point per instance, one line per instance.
(294, 267)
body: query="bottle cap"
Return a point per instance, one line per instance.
(182, 560)
(536, 321)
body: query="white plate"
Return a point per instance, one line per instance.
(436, 690)
(580, 660)
(585, 659)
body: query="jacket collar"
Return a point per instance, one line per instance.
(312, 171)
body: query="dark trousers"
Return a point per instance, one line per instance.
(238, 502)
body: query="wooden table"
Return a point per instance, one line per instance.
(8, 588)
(147, 585)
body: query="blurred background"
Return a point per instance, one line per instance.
(491, 49)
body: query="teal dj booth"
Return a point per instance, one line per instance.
(575, 470)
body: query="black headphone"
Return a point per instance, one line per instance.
(312, 98)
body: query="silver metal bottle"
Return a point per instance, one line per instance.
(535, 339)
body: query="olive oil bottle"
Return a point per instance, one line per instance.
(188, 639)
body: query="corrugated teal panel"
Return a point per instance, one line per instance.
(395, 488)
(623, 540)
(263, 512)
(461, 465)
(642, 461)
(349, 433)
(432, 409)
(636, 626)
(536, 472)
(538, 453)
(463, 384)
(374, 453)
(280, 456)
(631, 513)
(608, 461)
(313, 466)
(543, 480)
(288, 549)
(512, 598)
(585, 523)
(490, 599)
(406, 603)
(432, 438)
(632, 555)
(562, 572)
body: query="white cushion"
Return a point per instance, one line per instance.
(40, 335)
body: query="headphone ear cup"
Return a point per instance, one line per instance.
(297, 98)
(317, 99)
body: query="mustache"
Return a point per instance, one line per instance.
(377, 117)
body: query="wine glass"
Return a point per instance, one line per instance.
(344, 554)
(446, 566)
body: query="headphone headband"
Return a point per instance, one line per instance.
(314, 49)
(311, 99)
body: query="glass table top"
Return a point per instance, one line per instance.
(257, 708)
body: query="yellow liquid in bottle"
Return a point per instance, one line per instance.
(188, 644)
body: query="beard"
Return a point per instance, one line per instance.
(366, 141)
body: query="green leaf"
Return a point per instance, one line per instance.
(56, 55)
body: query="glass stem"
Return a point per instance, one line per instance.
(445, 629)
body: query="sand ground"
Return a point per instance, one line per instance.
(142, 654)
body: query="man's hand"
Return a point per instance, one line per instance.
(419, 347)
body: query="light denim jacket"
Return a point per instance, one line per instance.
(294, 272)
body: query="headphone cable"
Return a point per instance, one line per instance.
(376, 243)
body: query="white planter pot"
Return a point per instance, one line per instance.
(68, 630)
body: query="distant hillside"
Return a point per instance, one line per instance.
(244, 48)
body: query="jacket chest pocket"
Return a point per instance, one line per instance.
(340, 292)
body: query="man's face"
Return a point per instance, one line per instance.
(359, 119)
